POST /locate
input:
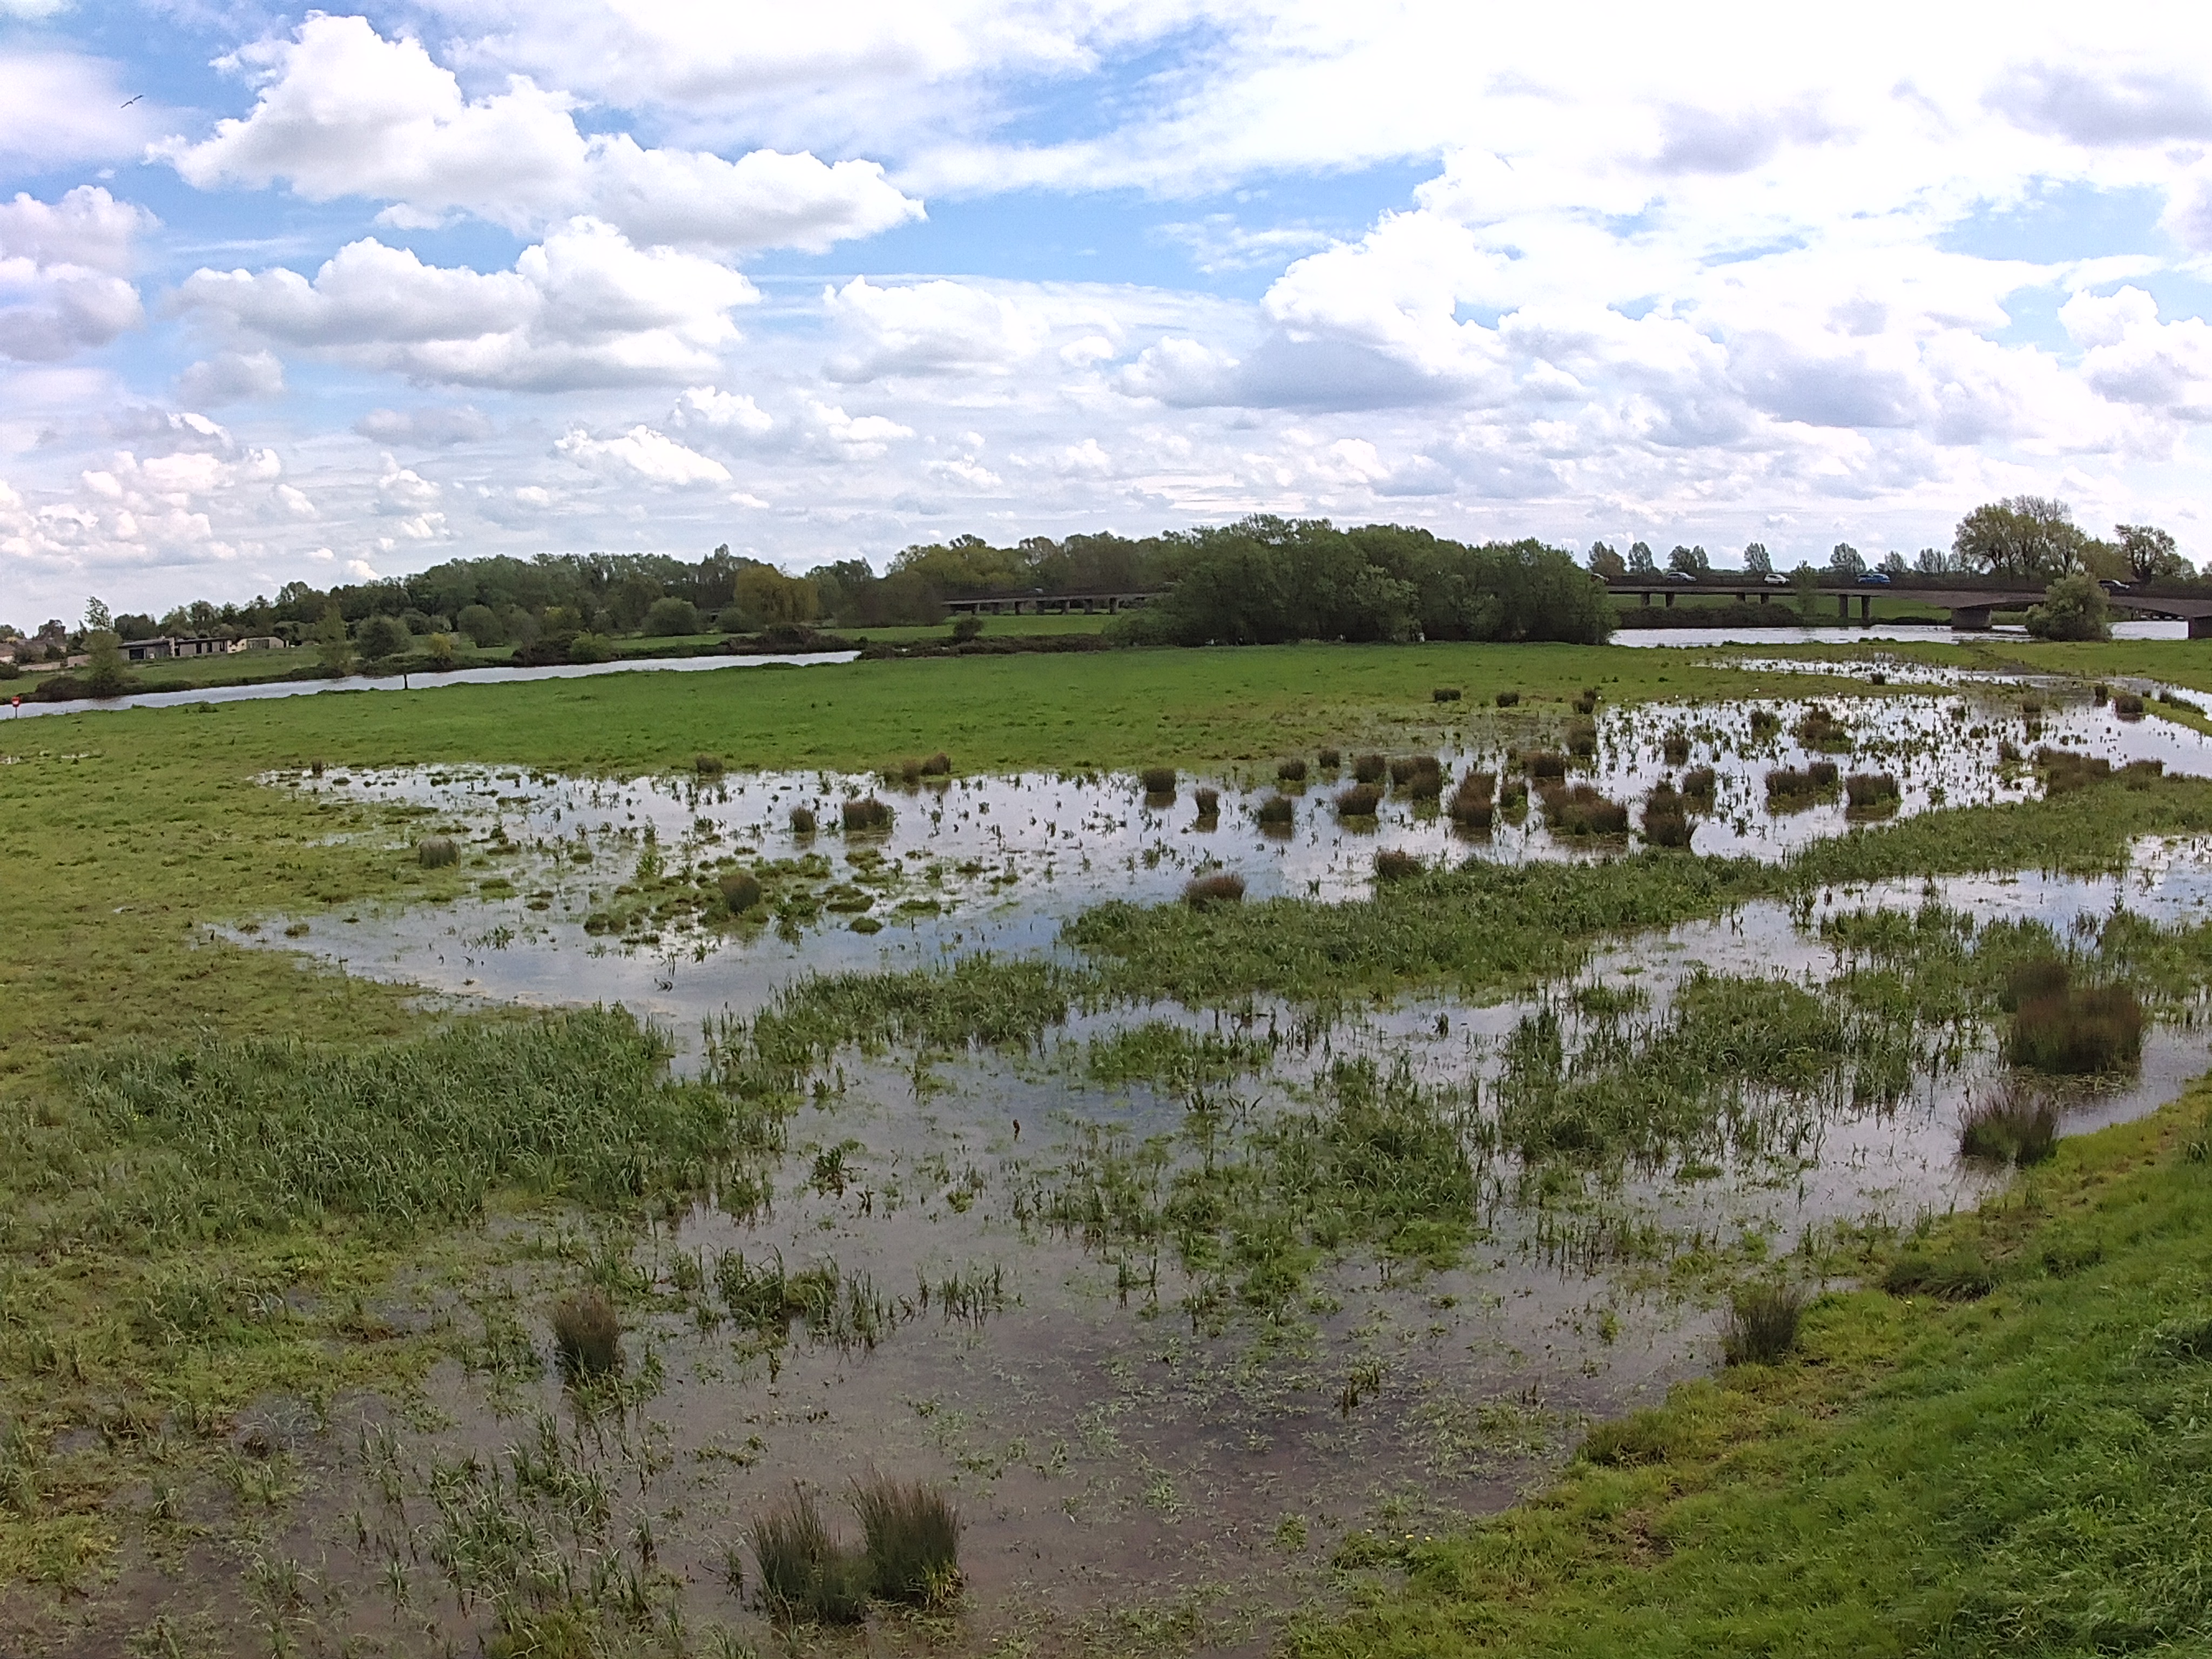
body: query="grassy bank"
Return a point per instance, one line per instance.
(2017, 1473)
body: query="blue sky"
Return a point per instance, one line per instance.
(294, 295)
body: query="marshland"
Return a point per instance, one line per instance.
(908, 1156)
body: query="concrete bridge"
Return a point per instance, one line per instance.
(1049, 605)
(1970, 608)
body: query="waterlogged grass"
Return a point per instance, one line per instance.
(2019, 1472)
(1170, 1056)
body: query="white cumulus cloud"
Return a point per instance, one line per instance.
(645, 454)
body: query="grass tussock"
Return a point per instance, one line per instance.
(1789, 787)
(708, 766)
(1157, 781)
(1872, 791)
(1699, 785)
(1762, 1323)
(1544, 763)
(1292, 770)
(805, 1575)
(1581, 739)
(1392, 865)
(1676, 746)
(1586, 700)
(1580, 810)
(1277, 812)
(1666, 818)
(2064, 771)
(1369, 769)
(2076, 1032)
(740, 890)
(2014, 1125)
(1210, 892)
(912, 1533)
(1445, 694)
(1330, 759)
(1818, 728)
(939, 765)
(866, 816)
(586, 1335)
(2128, 705)
(1208, 803)
(1361, 800)
(1508, 699)
(802, 821)
(1473, 805)
(437, 852)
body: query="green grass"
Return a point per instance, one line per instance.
(2017, 1472)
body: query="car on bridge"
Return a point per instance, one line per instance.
(1874, 579)
(1681, 575)
(1775, 579)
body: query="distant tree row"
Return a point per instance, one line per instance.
(2020, 538)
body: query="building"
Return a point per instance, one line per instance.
(198, 644)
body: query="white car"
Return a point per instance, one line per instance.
(1775, 579)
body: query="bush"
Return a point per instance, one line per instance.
(2074, 607)
(667, 618)
(1581, 811)
(1158, 780)
(1291, 771)
(586, 1336)
(439, 651)
(805, 1574)
(866, 814)
(437, 852)
(1762, 1324)
(1369, 769)
(1508, 699)
(913, 1540)
(741, 891)
(1871, 791)
(1666, 820)
(1543, 763)
(966, 627)
(590, 648)
(1208, 892)
(1276, 812)
(2078, 1033)
(1675, 745)
(1208, 802)
(1359, 801)
(2017, 1126)
(1391, 865)
(802, 820)
(1445, 694)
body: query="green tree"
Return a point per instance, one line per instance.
(766, 598)
(1846, 561)
(334, 651)
(1805, 590)
(1640, 561)
(2022, 537)
(1605, 564)
(2073, 608)
(104, 675)
(1757, 561)
(97, 618)
(381, 638)
(1689, 561)
(667, 619)
(2151, 553)
(480, 623)
(1893, 562)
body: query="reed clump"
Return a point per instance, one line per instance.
(1404, 768)
(437, 852)
(1762, 1324)
(708, 766)
(1764, 723)
(1157, 781)
(912, 1533)
(907, 772)
(1676, 746)
(2016, 1125)
(1508, 699)
(1330, 759)
(1369, 769)
(1392, 865)
(1291, 771)
(1791, 786)
(1580, 810)
(1872, 791)
(1208, 803)
(1818, 728)
(741, 891)
(1699, 785)
(586, 1335)
(1361, 800)
(867, 815)
(1445, 694)
(939, 765)
(1582, 737)
(1277, 812)
(805, 1574)
(1211, 892)
(2070, 1030)
(1586, 700)
(2128, 705)
(1542, 763)
(1471, 804)
(1666, 818)
(802, 821)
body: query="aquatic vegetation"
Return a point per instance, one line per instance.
(586, 1335)
(1158, 779)
(912, 1533)
(1762, 1323)
(1392, 865)
(1872, 791)
(1580, 810)
(1276, 812)
(740, 889)
(2128, 705)
(1818, 728)
(1676, 746)
(1207, 803)
(1582, 737)
(1406, 770)
(802, 820)
(2013, 1124)
(1222, 887)
(1291, 771)
(1790, 788)
(1369, 769)
(1169, 1055)
(2077, 1031)
(1544, 763)
(866, 815)
(805, 1575)
(1361, 800)
(1666, 818)
(1471, 805)
(437, 852)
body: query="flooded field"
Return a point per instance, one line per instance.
(1180, 1305)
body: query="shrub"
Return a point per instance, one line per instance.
(1699, 784)
(939, 765)
(2077, 1033)
(1675, 745)
(1543, 763)
(802, 820)
(1369, 769)
(438, 650)
(966, 627)
(1871, 791)
(1276, 812)
(586, 1336)
(805, 1574)
(1158, 779)
(1291, 771)
(1582, 737)
(1208, 802)
(1581, 811)
(741, 891)
(1330, 760)
(665, 619)
(1391, 865)
(866, 814)
(437, 852)
(2017, 1126)
(1666, 820)
(913, 1539)
(1359, 801)
(1762, 1324)
(2075, 607)
(1445, 694)
(590, 649)
(708, 766)
(1209, 892)
(1508, 699)
(2127, 705)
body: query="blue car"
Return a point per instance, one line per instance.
(1874, 579)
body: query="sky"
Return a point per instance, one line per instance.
(294, 295)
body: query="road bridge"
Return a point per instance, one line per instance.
(1970, 608)
(1034, 604)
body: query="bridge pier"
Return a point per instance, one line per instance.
(1971, 619)
(1842, 607)
(2200, 628)
(1670, 601)
(1866, 607)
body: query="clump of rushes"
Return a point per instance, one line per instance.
(1582, 737)
(1791, 786)
(2017, 1126)
(708, 766)
(1369, 769)
(1581, 810)
(1675, 745)
(1823, 773)
(1359, 801)
(1586, 702)
(741, 891)
(907, 771)
(1391, 865)
(1542, 763)
(2100, 693)
(1404, 768)
(1508, 699)
(805, 1574)
(2032, 708)
(586, 1336)
(2074, 1032)
(2127, 705)
(1291, 771)
(1698, 784)
(866, 814)
(1764, 722)
(1871, 791)
(1821, 729)
(913, 1540)
(1330, 760)
(1276, 812)
(437, 852)
(1513, 799)
(1208, 802)
(939, 765)
(1445, 694)
(802, 820)
(1762, 1324)
(1210, 892)
(1665, 819)
(1159, 781)
(1472, 807)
